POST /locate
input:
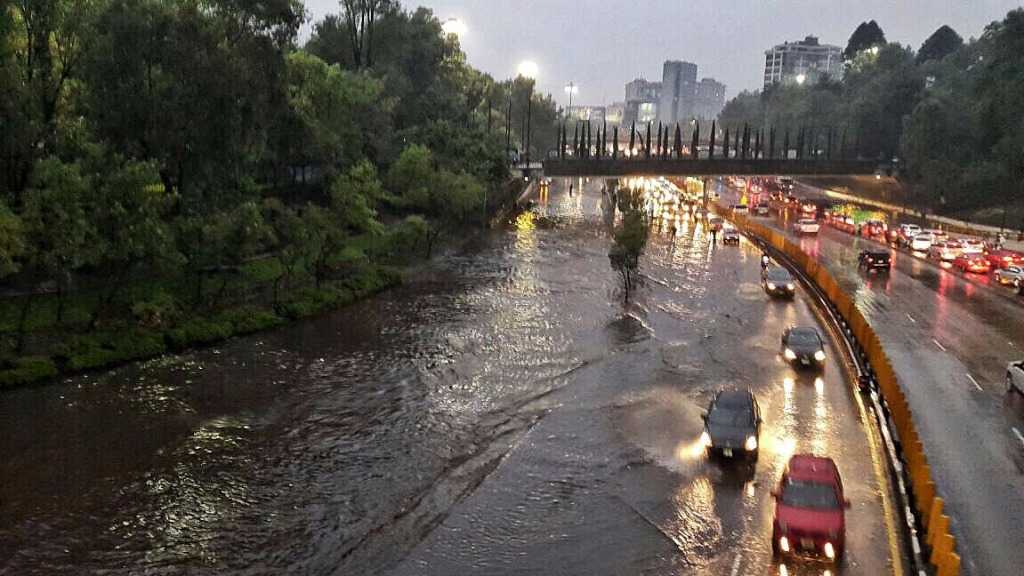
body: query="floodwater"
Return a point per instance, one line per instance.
(503, 413)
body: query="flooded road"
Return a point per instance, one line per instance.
(949, 340)
(502, 414)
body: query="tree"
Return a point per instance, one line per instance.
(867, 35)
(353, 196)
(57, 216)
(940, 44)
(128, 209)
(360, 17)
(630, 238)
(12, 241)
(411, 176)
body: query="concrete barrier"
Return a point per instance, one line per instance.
(928, 504)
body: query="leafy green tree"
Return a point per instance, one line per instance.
(353, 196)
(940, 44)
(867, 35)
(324, 238)
(630, 238)
(12, 241)
(411, 177)
(336, 118)
(129, 205)
(58, 224)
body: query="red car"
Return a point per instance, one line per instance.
(810, 510)
(1003, 258)
(975, 263)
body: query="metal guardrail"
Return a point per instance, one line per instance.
(923, 507)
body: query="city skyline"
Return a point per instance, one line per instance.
(731, 50)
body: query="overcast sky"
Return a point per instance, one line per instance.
(602, 44)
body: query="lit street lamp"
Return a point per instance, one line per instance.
(801, 78)
(454, 27)
(571, 89)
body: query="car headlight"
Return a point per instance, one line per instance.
(789, 354)
(819, 355)
(830, 551)
(751, 444)
(771, 286)
(784, 544)
(705, 439)
(791, 286)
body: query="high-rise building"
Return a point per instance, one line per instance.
(678, 92)
(805, 61)
(641, 104)
(710, 99)
(614, 112)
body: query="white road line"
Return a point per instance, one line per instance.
(911, 318)
(941, 347)
(1018, 434)
(975, 382)
(736, 565)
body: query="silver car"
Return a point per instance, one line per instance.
(1010, 276)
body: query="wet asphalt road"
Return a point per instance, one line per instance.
(949, 339)
(502, 413)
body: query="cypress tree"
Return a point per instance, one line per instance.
(785, 146)
(576, 139)
(736, 143)
(711, 142)
(632, 137)
(695, 141)
(647, 148)
(725, 144)
(679, 141)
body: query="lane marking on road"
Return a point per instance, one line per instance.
(937, 343)
(911, 318)
(736, 565)
(975, 382)
(1018, 434)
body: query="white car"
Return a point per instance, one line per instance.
(905, 232)
(920, 242)
(946, 251)
(1010, 275)
(1015, 376)
(972, 246)
(807, 226)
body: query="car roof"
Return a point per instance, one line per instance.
(734, 398)
(810, 468)
(808, 330)
(778, 272)
(877, 252)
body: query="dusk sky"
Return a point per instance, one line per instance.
(601, 45)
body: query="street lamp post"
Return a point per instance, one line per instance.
(528, 70)
(571, 89)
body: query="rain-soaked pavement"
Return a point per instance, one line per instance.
(949, 339)
(502, 414)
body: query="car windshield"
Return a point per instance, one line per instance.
(779, 275)
(809, 495)
(730, 416)
(803, 338)
(808, 222)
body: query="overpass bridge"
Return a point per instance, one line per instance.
(707, 167)
(750, 152)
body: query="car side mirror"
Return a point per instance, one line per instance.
(704, 416)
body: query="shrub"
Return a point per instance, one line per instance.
(199, 331)
(156, 311)
(97, 351)
(27, 370)
(249, 319)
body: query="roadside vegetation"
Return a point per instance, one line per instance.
(952, 113)
(173, 173)
(629, 238)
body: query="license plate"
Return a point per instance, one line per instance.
(727, 452)
(805, 361)
(807, 543)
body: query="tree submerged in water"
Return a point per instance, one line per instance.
(630, 238)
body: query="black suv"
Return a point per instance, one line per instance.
(732, 425)
(874, 260)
